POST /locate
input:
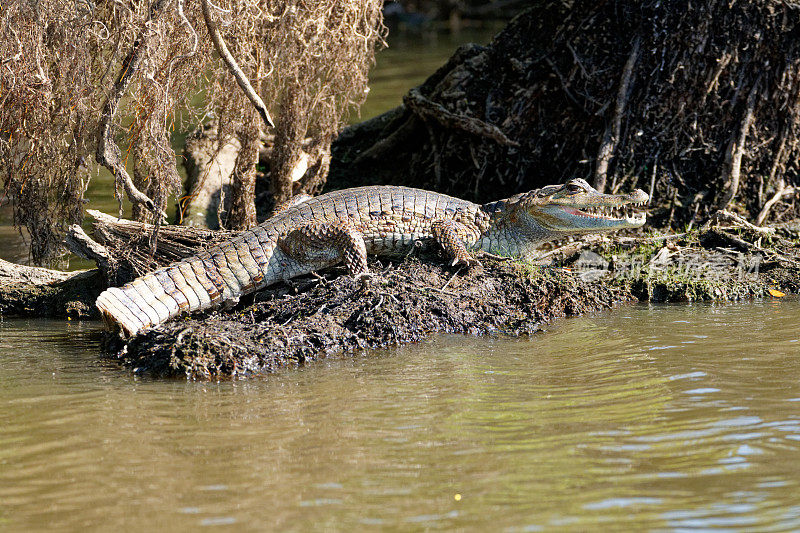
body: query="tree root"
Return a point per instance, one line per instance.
(783, 192)
(612, 134)
(736, 151)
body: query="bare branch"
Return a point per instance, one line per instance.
(108, 153)
(226, 56)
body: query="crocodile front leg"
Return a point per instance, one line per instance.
(320, 245)
(451, 236)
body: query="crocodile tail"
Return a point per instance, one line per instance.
(220, 275)
(190, 285)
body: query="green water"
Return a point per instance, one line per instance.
(662, 417)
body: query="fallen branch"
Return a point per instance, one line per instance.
(41, 292)
(84, 246)
(745, 246)
(565, 250)
(13, 273)
(632, 241)
(723, 216)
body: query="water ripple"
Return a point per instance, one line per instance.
(663, 417)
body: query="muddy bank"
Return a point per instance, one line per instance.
(314, 317)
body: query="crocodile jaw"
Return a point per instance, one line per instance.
(578, 208)
(588, 219)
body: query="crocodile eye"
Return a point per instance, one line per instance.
(574, 187)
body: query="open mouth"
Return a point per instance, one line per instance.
(628, 213)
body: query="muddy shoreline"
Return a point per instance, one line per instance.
(333, 315)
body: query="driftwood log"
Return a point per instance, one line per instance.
(41, 292)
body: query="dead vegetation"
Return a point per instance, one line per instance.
(697, 103)
(85, 84)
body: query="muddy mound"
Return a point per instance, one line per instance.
(404, 302)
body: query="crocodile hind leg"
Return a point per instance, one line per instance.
(325, 244)
(451, 236)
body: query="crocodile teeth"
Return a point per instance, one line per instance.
(617, 213)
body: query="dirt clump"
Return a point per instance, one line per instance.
(319, 316)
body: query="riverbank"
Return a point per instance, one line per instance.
(329, 314)
(332, 314)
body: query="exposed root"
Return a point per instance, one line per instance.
(429, 109)
(781, 193)
(108, 153)
(706, 109)
(734, 158)
(612, 134)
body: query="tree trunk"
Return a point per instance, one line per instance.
(242, 214)
(288, 163)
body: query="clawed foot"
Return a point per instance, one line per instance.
(465, 261)
(494, 256)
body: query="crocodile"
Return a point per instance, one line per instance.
(346, 225)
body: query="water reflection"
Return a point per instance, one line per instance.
(662, 417)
